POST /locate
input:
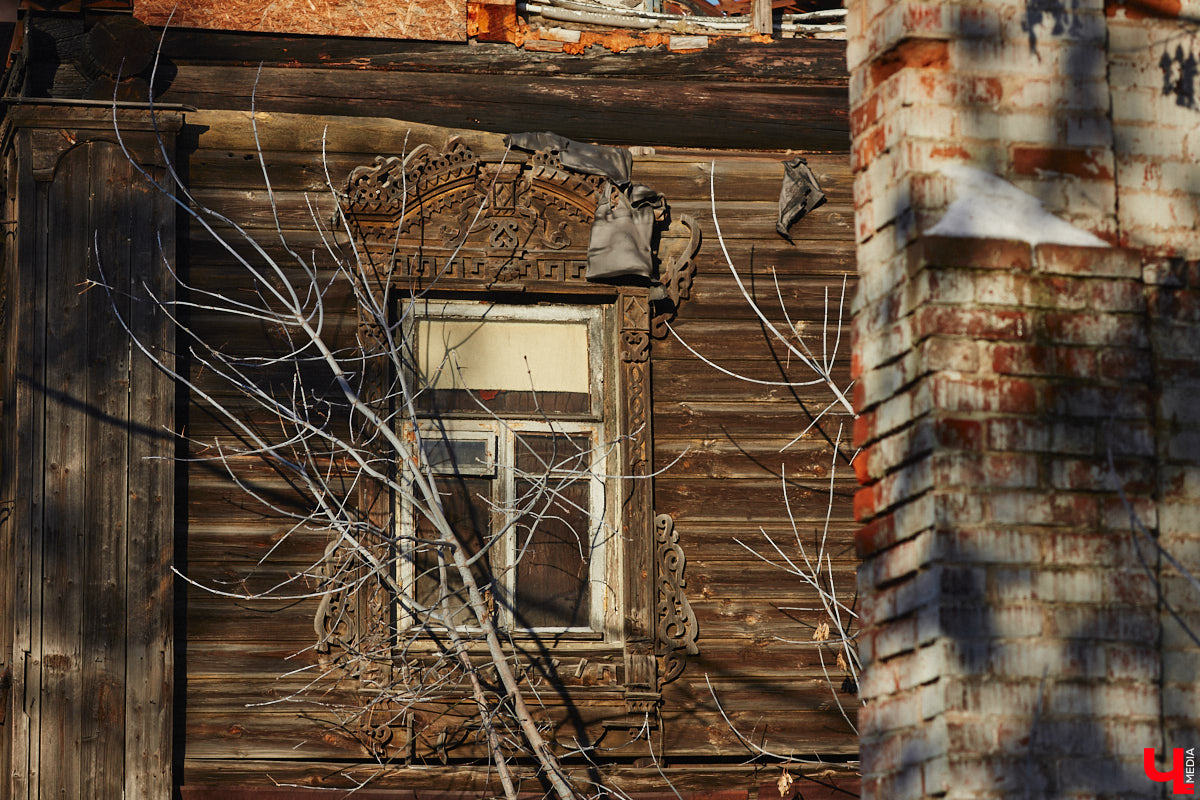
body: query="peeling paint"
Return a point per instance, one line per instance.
(441, 20)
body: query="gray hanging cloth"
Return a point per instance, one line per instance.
(800, 194)
(623, 233)
(614, 163)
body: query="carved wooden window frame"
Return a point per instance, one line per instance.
(518, 228)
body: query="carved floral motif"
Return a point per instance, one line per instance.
(677, 628)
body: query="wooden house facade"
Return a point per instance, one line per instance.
(162, 613)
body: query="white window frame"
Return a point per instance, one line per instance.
(605, 556)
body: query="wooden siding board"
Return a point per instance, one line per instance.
(806, 62)
(66, 517)
(150, 663)
(10, 581)
(437, 782)
(29, 425)
(107, 478)
(617, 110)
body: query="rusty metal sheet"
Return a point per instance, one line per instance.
(444, 20)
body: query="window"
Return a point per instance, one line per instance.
(512, 402)
(532, 409)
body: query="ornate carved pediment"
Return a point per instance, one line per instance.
(453, 217)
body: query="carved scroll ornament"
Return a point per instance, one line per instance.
(677, 628)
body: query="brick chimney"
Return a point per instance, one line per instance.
(1027, 351)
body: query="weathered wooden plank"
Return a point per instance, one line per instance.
(814, 783)
(717, 540)
(215, 128)
(684, 415)
(213, 618)
(760, 651)
(699, 387)
(255, 695)
(814, 62)
(150, 665)
(611, 111)
(676, 177)
(28, 420)
(744, 219)
(734, 499)
(823, 261)
(755, 219)
(11, 582)
(65, 511)
(249, 542)
(756, 580)
(757, 175)
(106, 480)
(742, 336)
(686, 181)
(725, 457)
(698, 735)
(238, 734)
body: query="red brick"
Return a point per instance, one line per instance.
(874, 536)
(864, 115)
(1144, 9)
(945, 353)
(1022, 359)
(1090, 163)
(867, 146)
(1010, 470)
(957, 469)
(1018, 434)
(1124, 365)
(961, 434)
(911, 53)
(1089, 261)
(977, 323)
(861, 471)
(864, 504)
(1103, 402)
(1113, 330)
(944, 251)
(864, 428)
(1129, 587)
(1004, 395)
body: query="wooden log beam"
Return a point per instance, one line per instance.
(797, 62)
(615, 111)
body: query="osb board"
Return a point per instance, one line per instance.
(441, 20)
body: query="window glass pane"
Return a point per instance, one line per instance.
(563, 452)
(501, 355)
(554, 555)
(553, 544)
(505, 367)
(464, 501)
(452, 456)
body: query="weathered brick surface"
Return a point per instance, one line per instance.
(1029, 416)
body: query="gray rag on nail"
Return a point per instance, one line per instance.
(800, 194)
